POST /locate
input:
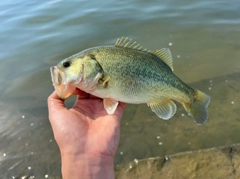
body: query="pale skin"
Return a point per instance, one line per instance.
(87, 136)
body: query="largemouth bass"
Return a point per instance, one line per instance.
(128, 73)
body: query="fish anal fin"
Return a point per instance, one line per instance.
(197, 109)
(110, 105)
(164, 109)
(165, 55)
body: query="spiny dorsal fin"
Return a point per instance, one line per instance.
(165, 55)
(128, 43)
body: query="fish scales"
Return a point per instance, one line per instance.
(129, 65)
(127, 73)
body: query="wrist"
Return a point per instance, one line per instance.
(87, 166)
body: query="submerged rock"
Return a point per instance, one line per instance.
(215, 163)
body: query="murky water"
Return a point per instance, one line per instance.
(202, 35)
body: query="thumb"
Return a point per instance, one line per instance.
(55, 103)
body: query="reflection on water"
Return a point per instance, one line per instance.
(36, 35)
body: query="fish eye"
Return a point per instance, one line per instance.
(66, 64)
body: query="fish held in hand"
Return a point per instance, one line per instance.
(128, 73)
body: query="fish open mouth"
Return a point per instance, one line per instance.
(62, 87)
(58, 76)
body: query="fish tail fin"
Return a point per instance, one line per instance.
(197, 109)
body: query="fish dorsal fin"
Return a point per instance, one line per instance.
(129, 43)
(165, 55)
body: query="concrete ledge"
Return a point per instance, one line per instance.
(214, 163)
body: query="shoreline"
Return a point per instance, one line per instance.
(217, 162)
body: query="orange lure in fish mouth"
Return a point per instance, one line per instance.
(62, 87)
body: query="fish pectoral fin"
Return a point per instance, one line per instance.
(110, 105)
(164, 109)
(105, 81)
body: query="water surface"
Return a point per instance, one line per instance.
(34, 35)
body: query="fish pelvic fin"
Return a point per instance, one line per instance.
(197, 109)
(164, 109)
(110, 105)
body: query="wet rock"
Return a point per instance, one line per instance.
(215, 163)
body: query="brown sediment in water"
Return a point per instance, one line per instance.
(221, 163)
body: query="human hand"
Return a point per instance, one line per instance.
(87, 136)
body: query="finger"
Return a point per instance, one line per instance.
(83, 95)
(77, 91)
(55, 103)
(93, 97)
(80, 94)
(122, 105)
(120, 109)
